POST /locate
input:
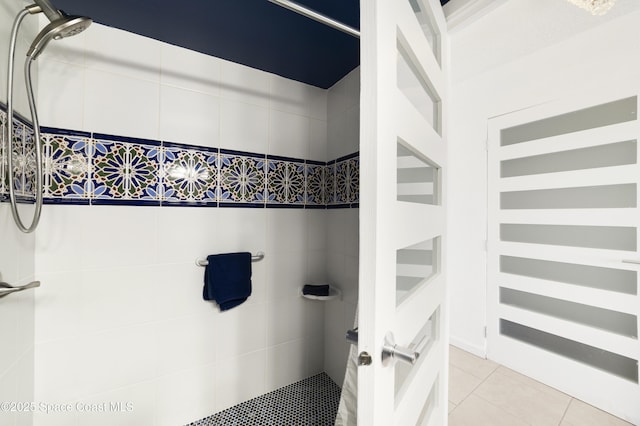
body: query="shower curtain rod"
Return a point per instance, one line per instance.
(324, 19)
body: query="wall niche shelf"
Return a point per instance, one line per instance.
(334, 294)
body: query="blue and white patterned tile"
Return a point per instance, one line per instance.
(126, 172)
(342, 182)
(242, 179)
(316, 185)
(66, 167)
(113, 169)
(17, 157)
(23, 161)
(353, 180)
(330, 179)
(3, 157)
(188, 176)
(285, 182)
(30, 166)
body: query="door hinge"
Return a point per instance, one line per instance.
(485, 331)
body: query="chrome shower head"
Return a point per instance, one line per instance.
(64, 26)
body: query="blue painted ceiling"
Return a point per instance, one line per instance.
(256, 33)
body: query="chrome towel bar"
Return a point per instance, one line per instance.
(6, 288)
(255, 258)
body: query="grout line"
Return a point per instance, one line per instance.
(454, 407)
(565, 411)
(476, 387)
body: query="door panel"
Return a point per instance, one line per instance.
(563, 307)
(402, 225)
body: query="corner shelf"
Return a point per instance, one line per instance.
(334, 293)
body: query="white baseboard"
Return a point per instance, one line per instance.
(480, 351)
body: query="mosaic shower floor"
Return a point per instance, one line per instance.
(309, 402)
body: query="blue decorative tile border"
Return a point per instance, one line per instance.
(86, 168)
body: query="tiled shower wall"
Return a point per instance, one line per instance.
(120, 315)
(343, 122)
(16, 261)
(99, 169)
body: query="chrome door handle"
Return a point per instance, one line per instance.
(391, 351)
(6, 288)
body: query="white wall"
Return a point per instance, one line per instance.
(16, 320)
(16, 258)
(120, 316)
(343, 115)
(601, 54)
(28, 30)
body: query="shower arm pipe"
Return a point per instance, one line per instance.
(312, 14)
(254, 258)
(33, 9)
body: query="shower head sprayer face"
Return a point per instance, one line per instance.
(65, 26)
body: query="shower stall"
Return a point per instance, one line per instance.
(119, 317)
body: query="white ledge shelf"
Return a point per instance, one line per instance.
(334, 293)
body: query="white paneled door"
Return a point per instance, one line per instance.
(402, 376)
(563, 251)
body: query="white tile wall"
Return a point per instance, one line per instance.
(8, 10)
(241, 83)
(297, 98)
(318, 140)
(343, 116)
(121, 316)
(245, 127)
(342, 233)
(289, 134)
(16, 255)
(66, 82)
(285, 363)
(117, 104)
(181, 117)
(139, 317)
(242, 378)
(120, 52)
(285, 273)
(141, 397)
(186, 395)
(241, 331)
(190, 70)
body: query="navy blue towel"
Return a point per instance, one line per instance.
(227, 279)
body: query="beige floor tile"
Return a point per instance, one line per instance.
(461, 384)
(481, 368)
(583, 414)
(475, 411)
(526, 380)
(451, 406)
(524, 398)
